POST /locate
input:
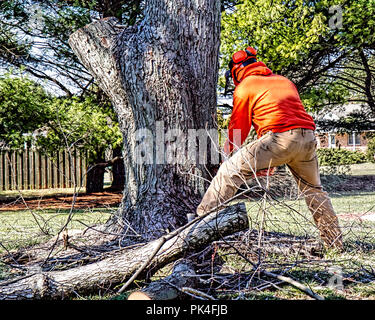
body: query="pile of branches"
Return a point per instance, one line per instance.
(237, 252)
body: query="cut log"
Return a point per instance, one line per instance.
(183, 275)
(118, 267)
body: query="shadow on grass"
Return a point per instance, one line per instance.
(363, 183)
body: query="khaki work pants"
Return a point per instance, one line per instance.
(295, 148)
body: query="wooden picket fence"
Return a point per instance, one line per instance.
(27, 170)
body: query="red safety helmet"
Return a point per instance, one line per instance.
(239, 60)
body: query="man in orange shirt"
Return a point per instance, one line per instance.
(285, 130)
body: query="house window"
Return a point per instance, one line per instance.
(354, 137)
(331, 140)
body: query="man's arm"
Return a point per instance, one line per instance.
(239, 125)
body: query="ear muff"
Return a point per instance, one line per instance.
(241, 59)
(239, 56)
(237, 67)
(251, 51)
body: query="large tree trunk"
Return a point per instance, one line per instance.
(118, 171)
(95, 175)
(161, 77)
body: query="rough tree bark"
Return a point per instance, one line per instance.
(118, 171)
(95, 175)
(161, 77)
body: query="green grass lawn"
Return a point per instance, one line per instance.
(18, 229)
(363, 169)
(359, 169)
(23, 228)
(353, 202)
(292, 217)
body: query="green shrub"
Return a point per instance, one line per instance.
(371, 150)
(337, 157)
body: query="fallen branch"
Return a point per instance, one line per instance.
(106, 164)
(163, 239)
(118, 267)
(197, 294)
(294, 283)
(144, 265)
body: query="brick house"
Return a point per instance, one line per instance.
(354, 140)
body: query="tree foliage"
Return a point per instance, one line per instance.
(81, 123)
(22, 109)
(323, 46)
(283, 31)
(28, 114)
(371, 149)
(34, 34)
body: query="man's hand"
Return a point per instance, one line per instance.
(265, 172)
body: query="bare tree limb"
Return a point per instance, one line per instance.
(117, 267)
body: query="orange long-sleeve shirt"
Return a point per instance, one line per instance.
(268, 102)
